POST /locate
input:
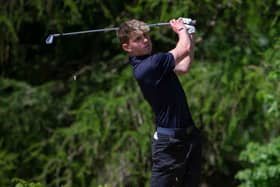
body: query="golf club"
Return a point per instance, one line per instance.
(50, 38)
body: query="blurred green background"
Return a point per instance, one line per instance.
(95, 131)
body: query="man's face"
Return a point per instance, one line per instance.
(139, 44)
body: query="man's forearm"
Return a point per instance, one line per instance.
(183, 65)
(183, 45)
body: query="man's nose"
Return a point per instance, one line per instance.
(145, 39)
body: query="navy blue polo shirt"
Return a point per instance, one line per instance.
(162, 89)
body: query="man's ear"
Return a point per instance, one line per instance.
(126, 47)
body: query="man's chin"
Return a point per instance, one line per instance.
(142, 53)
(148, 51)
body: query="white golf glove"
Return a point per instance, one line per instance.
(190, 29)
(189, 23)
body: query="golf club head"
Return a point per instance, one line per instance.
(50, 39)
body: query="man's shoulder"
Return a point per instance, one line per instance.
(153, 60)
(161, 55)
(145, 67)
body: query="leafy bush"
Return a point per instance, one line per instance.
(96, 130)
(23, 183)
(263, 165)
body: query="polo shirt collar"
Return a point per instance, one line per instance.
(134, 60)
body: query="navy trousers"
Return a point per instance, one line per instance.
(176, 157)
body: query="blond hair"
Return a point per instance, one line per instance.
(131, 26)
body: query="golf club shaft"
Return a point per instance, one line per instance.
(105, 29)
(50, 38)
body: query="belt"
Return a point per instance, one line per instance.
(175, 131)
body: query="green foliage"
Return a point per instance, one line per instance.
(98, 141)
(269, 92)
(28, 115)
(263, 168)
(7, 164)
(23, 183)
(263, 160)
(96, 131)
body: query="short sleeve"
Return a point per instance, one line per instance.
(164, 63)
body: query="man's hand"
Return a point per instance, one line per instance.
(177, 25)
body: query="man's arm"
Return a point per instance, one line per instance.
(183, 46)
(184, 65)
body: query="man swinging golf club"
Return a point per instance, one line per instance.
(176, 145)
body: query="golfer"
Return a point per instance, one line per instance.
(176, 145)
